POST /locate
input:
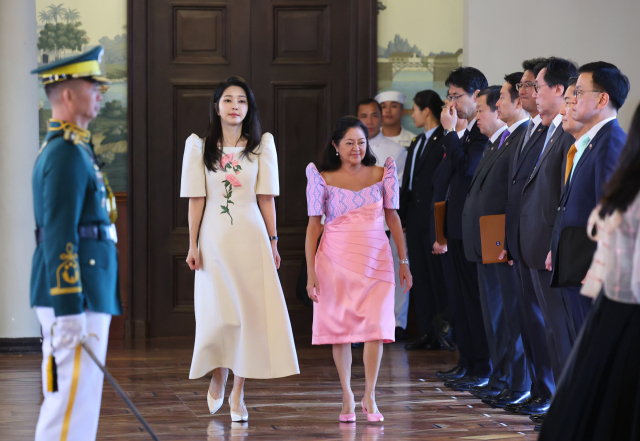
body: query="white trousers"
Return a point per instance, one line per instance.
(401, 304)
(72, 412)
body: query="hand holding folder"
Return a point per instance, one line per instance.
(492, 235)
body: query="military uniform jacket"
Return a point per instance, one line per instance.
(70, 273)
(488, 191)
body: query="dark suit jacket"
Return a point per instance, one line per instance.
(520, 168)
(417, 201)
(540, 198)
(439, 186)
(590, 174)
(465, 155)
(488, 192)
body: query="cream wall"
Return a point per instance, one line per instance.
(581, 30)
(18, 149)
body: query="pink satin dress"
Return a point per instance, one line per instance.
(353, 262)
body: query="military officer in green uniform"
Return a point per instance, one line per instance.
(74, 271)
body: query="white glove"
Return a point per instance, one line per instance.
(68, 331)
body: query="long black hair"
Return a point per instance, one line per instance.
(251, 129)
(329, 161)
(624, 185)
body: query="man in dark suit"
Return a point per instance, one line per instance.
(600, 91)
(501, 117)
(440, 185)
(429, 293)
(464, 154)
(532, 324)
(540, 197)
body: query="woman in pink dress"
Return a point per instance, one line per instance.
(350, 275)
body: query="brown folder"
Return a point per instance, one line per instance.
(438, 212)
(492, 238)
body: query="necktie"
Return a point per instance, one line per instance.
(505, 134)
(552, 129)
(423, 144)
(527, 135)
(582, 143)
(570, 156)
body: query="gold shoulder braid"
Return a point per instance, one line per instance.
(112, 208)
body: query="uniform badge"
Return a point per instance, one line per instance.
(68, 273)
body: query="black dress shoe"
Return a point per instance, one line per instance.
(466, 385)
(484, 391)
(450, 382)
(401, 334)
(537, 405)
(513, 397)
(538, 428)
(538, 418)
(357, 345)
(446, 340)
(452, 374)
(428, 342)
(513, 408)
(503, 392)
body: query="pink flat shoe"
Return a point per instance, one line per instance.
(371, 417)
(348, 418)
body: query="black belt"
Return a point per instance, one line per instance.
(96, 232)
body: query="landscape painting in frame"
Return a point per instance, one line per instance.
(75, 26)
(419, 44)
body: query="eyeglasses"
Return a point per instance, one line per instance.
(577, 93)
(537, 86)
(454, 98)
(525, 85)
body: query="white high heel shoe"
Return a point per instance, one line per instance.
(215, 404)
(237, 417)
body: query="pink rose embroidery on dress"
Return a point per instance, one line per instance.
(230, 181)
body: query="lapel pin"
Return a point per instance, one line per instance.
(590, 146)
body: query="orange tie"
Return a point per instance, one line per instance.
(570, 156)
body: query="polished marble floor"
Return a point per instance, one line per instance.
(155, 373)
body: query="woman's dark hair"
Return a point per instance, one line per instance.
(329, 161)
(624, 185)
(251, 129)
(430, 99)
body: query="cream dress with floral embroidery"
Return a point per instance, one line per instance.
(242, 321)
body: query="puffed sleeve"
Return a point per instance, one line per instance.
(193, 169)
(390, 191)
(268, 182)
(316, 191)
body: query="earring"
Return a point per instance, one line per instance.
(337, 154)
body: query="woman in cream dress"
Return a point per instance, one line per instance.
(242, 323)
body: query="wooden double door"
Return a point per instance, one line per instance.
(308, 63)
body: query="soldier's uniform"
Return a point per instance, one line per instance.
(75, 266)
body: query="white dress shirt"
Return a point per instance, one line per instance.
(404, 138)
(516, 124)
(497, 133)
(468, 129)
(384, 147)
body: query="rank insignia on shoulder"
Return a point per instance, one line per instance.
(67, 273)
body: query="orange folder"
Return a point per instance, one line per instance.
(438, 212)
(492, 238)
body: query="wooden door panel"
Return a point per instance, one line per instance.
(304, 60)
(191, 49)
